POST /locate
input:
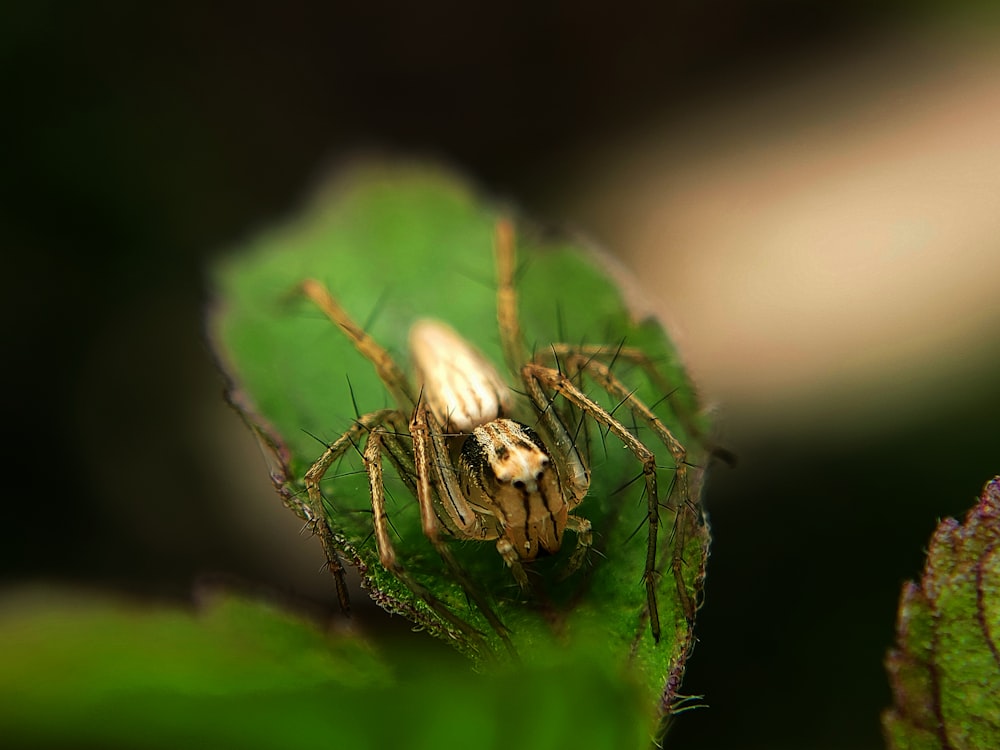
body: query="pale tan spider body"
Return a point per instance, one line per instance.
(505, 473)
(459, 384)
(479, 473)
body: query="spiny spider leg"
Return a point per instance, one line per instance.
(386, 550)
(571, 468)
(507, 314)
(463, 518)
(685, 511)
(641, 359)
(537, 378)
(402, 458)
(389, 443)
(430, 451)
(388, 371)
(312, 511)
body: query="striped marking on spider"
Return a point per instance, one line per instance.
(477, 473)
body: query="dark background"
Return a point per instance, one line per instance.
(137, 142)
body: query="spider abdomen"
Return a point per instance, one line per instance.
(461, 387)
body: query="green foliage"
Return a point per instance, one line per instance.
(395, 245)
(82, 672)
(945, 671)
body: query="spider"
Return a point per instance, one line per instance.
(477, 472)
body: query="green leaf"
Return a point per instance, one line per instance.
(80, 671)
(945, 670)
(394, 244)
(86, 672)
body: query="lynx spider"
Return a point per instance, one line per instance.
(474, 471)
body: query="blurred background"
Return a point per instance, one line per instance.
(808, 192)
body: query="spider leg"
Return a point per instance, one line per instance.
(507, 315)
(385, 366)
(387, 553)
(686, 511)
(537, 378)
(434, 472)
(687, 514)
(584, 540)
(684, 411)
(312, 511)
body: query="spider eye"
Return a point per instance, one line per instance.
(518, 484)
(538, 476)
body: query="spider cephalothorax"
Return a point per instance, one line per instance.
(506, 473)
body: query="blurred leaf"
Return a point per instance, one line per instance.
(79, 671)
(87, 672)
(945, 670)
(397, 244)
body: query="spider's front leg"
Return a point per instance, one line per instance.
(436, 478)
(312, 510)
(686, 511)
(571, 469)
(379, 441)
(537, 379)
